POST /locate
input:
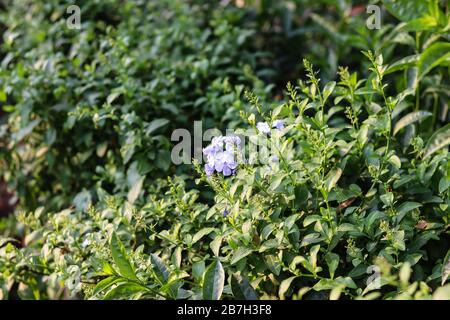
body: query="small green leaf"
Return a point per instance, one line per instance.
(214, 281)
(154, 125)
(387, 198)
(432, 57)
(419, 24)
(328, 284)
(120, 258)
(405, 273)
(439, 140)
(239, 254)
(410, 119)
(215, 245)
(332, 260)
(284, 286)
(241, 288)
(113, 96)
(201, 233)
(159, 268)
(105, 284)
(125, 291)
(328, 90)
(406, 10)
(445, 268)
(406, 207)
(332, 178)
(395, 161)
(135, 190)
(198, 269)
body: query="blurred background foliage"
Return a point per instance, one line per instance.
(89, 112)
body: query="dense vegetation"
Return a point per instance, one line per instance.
(350, 198)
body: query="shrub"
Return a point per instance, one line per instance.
(340, 198)
(339, 190)
(90, 109)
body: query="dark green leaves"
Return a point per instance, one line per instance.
(433, 56)
(439, 140)
(406, 10)
(213, 281)
(242, 289)
(159, 268)
(410, 119)
(154, 125)
(445, 268)
(240, 253)
(120, 258)
(332, 260)
(125, 291)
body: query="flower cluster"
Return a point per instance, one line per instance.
(264, 127)
(220, 159)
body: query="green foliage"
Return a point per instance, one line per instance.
(353, 202)
(93, 109)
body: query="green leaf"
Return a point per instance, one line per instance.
(328, 90)
(405, 273)
(301, 195)
(105, 284)
(241, 288)
(154, 125)
(432, 57)
(332, 260)
(420, 24)
(214, 281)
(25, 131)
(410, 118)
(198, 269)
(332, 178)
(439, 140)
(215, 245)
(284, 286)
(125, 291)
(445, 268)
(273, 263)
(120, 258)
(200, 234)
(113, 96)
(5, 240)
(395, 161)
(239, 254)
(387, 198)
(336, 292)
(159, 268)
(444, 184)
(328, 284)
(135, 190)
(406, 10)
(406, 207)
(442, 293)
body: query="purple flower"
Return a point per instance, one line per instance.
(220, 160)
(278, 124)
(232, 141)
(225, 212)
(217, 142)
(274, 159)
(224, 162)
(209, 169)
(263, 127)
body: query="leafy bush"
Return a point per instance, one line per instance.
(340, 190)
(93, 108)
